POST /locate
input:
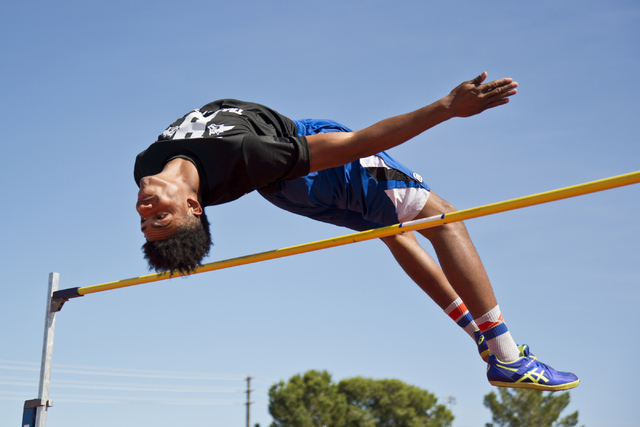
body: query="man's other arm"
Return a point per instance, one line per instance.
(469, 98)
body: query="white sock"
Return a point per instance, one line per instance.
(458, 312)
(498, 337)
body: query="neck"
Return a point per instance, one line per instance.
(185, 172)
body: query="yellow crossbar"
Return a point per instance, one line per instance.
(522, 202)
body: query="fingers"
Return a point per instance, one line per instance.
(500, 96)
(497, 91)
(474, 96)
(497, 100)
(498, 88)
(478, 80)
(496, 103)
(501, 84)
(501, 92)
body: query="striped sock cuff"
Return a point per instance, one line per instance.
(464, 321)
(496, 331)
(498, 337)
(490, 319)
(456, 310)
(492, 324)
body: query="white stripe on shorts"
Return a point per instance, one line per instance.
(408, 201)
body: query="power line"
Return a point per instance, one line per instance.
(89, 385)
(123, 372)
(134, 387)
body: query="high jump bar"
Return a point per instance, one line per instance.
(522, 202)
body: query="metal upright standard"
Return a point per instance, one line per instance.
(35, 411)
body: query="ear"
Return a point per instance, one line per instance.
(194, 207)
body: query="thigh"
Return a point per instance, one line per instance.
(435, 206)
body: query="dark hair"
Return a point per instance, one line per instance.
(184, 251)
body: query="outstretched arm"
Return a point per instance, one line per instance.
(469, 98)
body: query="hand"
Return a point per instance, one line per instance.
(473, 97)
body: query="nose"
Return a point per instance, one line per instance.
(144, 206)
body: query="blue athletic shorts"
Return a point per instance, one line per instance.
(369, 193)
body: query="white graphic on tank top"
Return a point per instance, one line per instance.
(215, 129)
(171, 130)
(194, 124)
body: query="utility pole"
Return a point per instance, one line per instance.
(248, 399)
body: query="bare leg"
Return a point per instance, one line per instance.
(459, 259)
(421, 268)
(429, 276)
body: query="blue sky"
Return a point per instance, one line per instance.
(88, 85)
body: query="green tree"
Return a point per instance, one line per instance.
(313, 400)
(391, 403)
(528, 408)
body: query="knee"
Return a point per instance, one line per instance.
(443, 206)
(402, 240)
(438, 207)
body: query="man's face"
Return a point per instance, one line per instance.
(163, 207)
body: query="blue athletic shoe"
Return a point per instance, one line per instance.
(526, 352)
(528, 372)
(483, 348)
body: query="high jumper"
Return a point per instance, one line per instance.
(323, 170)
